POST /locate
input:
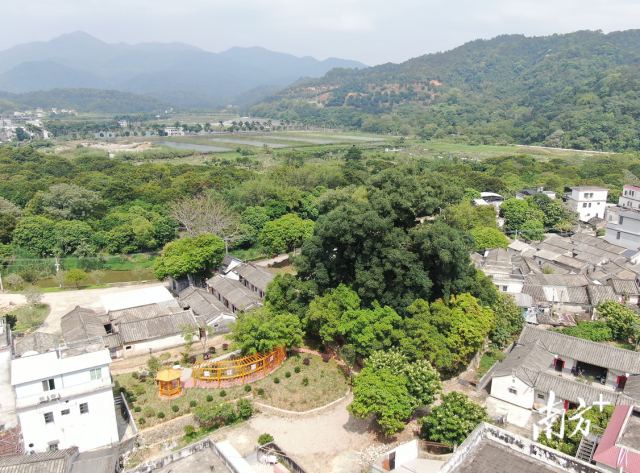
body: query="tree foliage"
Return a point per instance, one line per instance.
(619, 318)
(190, 256)
(453, 420)
(262, 330)
(285, 234)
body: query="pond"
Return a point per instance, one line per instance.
(203, 148)
(248, 142)
(110, 277)
(276, 137)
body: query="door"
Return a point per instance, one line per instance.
(559, 364)
(622, 381)
(392, 461)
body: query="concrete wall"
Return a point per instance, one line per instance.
(8, 415)
(405, 453)
(524, 396)
(155, 344)
(627, 239)
(95, 429)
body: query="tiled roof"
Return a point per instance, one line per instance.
(57, 461)
(203, 303)
(571, 390)
(568, 280)
(81, 324)
(98, 461)
(525, 361)
(571, 262)
(144, 311)
(37, 341)
(599, 293)
(559, 294)
(625, 286)
(546, 254)
(586, 351)
(519, 246)
(161, 326)
(113, 340)
(235, 292)
(256, 275)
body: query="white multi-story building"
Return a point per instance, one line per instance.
(174, 131)
(588, 201)
(8, 416)
(64, 398)
(630, 197)
(623, 228)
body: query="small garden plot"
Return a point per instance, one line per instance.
(306, 387)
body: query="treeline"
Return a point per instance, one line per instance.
(579, 90)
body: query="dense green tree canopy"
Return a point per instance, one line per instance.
(262, 330)
(189, 256)
(453, 420)
(285, 234)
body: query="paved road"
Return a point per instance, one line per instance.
(62, 303)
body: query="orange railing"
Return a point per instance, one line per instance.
(212, 371)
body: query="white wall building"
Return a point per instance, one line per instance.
(624, 229)
(8, 416)
(588, 201)
(630, 197)
(64, 398)
(174, 131)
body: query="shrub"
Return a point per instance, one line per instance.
(189, 429)
(326, 358)
(287, 374)
(306, 361)
(142, 378)
(148, 411)
(223, 393)
(137, 409)
(209, 398)
(212, 349)
(276, 380)
(245, 409)
(247, 388)
(129, 393)
(122, 389)
(141, 420)
(134, 375)
(192, 359)
(305, 381)
(260, 391)
(154, 364)
(139, 390)
(297, 369)
(165, 356)
(184, 357)
(265, 438)
(225, 346)
(175, 408)
(193, 403)
(160, 415)
(133, 399)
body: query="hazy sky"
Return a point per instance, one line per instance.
(371, 31)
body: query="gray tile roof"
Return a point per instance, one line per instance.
(625, 286)
(202, 303)
(144, 311)
(572, 263)
(599, 293)
(113, 340)
(256, 275)
(568, 280)
(98, 461)
(525, 361)
(155, 327)
(586, 351)
(571, 390)
(563, 294)
(235, 292)
(632, 386)
(37, 341)
(81, 324)
(522, 299)
(58, 461)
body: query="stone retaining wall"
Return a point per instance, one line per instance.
(298, 415)
(166, 430)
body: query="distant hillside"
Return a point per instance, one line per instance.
(82, 100)
(578, 90)
(172, 71)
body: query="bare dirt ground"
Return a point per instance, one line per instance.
(114, 148)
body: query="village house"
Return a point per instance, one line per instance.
(542, 361)
(241, 288)
(62, 394)
(619, 448)
(69, 460)
(209, 311)
(587, 201)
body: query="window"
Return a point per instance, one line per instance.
(504, 288)
(621, 220)
(540, 396)
(48, 385)
(65, 412)
(96, 373)
(53, 446)
(128, 347)
(513, 391)
(589, 204)
(48, 417)
(618, 236)
(84, 408)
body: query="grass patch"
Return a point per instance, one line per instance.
(128, 263)
(487, 361)
(327, 383)
(248, 254)
(30, 317)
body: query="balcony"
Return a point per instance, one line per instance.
(64, 393)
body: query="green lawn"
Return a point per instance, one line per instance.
(326, 383)
(30, 317)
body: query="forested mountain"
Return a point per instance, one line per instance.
(82, 100)
(166, 71)
(578, 90)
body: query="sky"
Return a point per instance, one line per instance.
(370, 31)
